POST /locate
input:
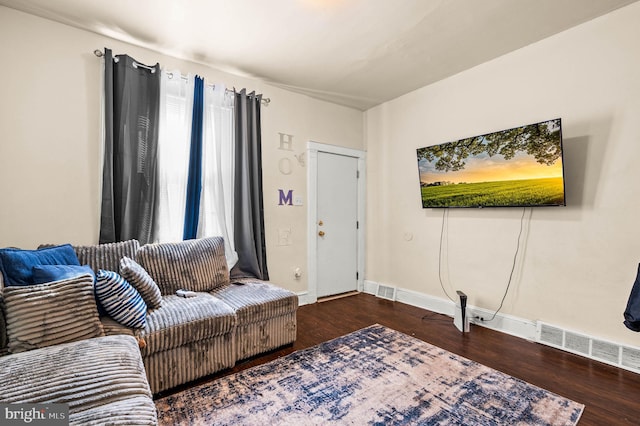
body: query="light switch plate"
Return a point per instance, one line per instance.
(284, 236)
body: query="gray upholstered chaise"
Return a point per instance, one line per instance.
(101, 379)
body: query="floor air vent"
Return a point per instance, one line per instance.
(386, 292)
(610, 353)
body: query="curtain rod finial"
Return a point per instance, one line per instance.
(98, 53)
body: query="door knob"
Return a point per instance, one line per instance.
(321, 233)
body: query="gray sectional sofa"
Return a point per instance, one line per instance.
(184, 338)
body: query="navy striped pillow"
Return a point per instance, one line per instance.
(122, 302)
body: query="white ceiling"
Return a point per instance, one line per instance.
(358, 53)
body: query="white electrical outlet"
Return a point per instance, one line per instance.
(297, 273)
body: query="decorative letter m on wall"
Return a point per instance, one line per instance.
(285, 199)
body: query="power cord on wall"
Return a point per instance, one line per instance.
(513, 268)
(445, 215)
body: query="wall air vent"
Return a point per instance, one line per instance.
(386, 292)
(550, 335)
(631, 358)
(577, 343)
(581, 344)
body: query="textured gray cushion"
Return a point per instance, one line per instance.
(256, 300)
(102, 380)
(52, 313)
(112, 327)
(106, 256)
(141, 281)
(180, 321)
(197, 265)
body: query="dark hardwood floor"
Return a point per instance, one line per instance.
(611, 395)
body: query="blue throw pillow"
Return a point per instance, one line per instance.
(122, 302)
(17, 264)
(48, 273)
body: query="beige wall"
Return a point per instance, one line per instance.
(578, 262)
(50, 145)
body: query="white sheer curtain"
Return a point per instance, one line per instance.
(176, 105)
(216, 202)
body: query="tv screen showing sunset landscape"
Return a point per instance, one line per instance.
(517, 167)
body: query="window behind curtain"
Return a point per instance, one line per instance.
(176, 105)
(216, 204)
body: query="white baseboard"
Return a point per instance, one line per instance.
(369, 287)
(621, 356)
(304, 298)
(508, 324)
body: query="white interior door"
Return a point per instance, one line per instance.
(337, 224)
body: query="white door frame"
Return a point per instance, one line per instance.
(312, 213)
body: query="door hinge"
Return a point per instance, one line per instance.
(357, 174)
(357, 224)
(357, 275)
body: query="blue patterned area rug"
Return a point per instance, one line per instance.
(374, 376)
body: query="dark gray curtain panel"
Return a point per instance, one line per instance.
(129, 177)
(248, 224)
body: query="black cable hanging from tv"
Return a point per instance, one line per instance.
(444, 212)
(513, 268)
(445, 217)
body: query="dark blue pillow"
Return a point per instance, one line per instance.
(47, 273)
(17, 264)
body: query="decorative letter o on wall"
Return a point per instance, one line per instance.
(284, 165)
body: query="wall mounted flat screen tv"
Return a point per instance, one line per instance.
(519, 167)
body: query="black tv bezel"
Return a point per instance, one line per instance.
(564, 181)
